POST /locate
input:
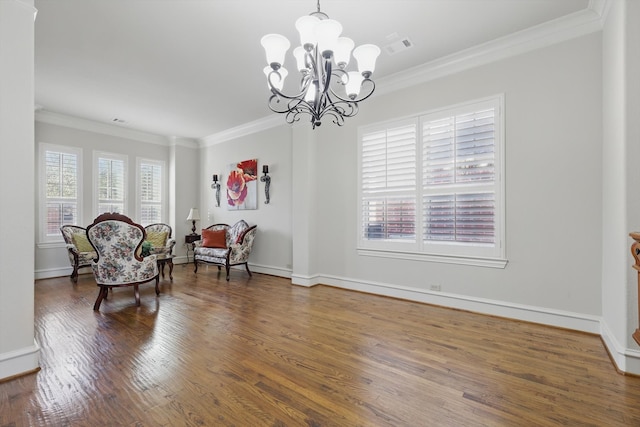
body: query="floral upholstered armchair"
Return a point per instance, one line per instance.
(80, 251)
(117, 240)
(225, 246)
(159, 235)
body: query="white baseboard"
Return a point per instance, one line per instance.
(20, 361)
(546, 316)
(626, 359)
(54, 272)
(270, 270)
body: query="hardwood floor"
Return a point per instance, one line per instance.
(261, 352)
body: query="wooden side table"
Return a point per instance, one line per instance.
(190, 240)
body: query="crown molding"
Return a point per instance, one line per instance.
(73, 122)
(183, 142)
(546, 34)
(248, 128)
(575, 25)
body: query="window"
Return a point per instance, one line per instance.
(431, 186)
(111, 182)
(59, 189)
(150, 184)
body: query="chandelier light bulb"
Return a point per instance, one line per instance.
(310, 96)
(366, 55)
(327, 32)
(342, 52)
(354, 81)
(306, 27)
(275, 47)
(299, 54)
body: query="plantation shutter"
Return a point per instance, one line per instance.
(111, 181)
(459, 200)
(388, 184)
(150, 193)
(61, 188)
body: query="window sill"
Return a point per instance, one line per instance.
(51, 245)
(445, 259)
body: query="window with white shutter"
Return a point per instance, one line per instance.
(59, 189)
(111, 183)
(431, 186)
(388, 203)
(150, 185)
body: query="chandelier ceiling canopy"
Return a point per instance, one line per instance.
(326, 87)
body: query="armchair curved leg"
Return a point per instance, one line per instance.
(74, 274)
(246, 265)
(102, 293)
(228, 268)
(157, 289)
(137, 294)
(195, 263)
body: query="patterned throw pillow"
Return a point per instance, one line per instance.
(81, 242)
(157, 238)
(214, 238)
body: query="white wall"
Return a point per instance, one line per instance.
(621, 180)
(272, 250)
(553, 183)
(183, 178)
(19, 352)
(553, 192)
(52, 260)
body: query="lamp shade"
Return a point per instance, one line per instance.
(305, 26)
(299, 54)
(366, 56)
(353, 84)
(342, 52)
(275, 46)
(327, 32)
(194, 215)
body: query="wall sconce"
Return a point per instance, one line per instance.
(194, 215)
(267, 180)
(216, 186)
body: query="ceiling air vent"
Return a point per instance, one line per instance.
(399, 46)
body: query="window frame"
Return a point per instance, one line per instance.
(43, 148)
(97, 155)
(440, 251)
(163, 188)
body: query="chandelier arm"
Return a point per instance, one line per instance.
(277, 92)
(372, 88)
(343, 108)
(293, 109)
(327, 75)
(337, 118)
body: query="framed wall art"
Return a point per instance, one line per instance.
(242, 185)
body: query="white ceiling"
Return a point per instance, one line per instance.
(193, 68)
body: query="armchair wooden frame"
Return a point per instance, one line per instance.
(77, 260)
(104, 287)
(226, 260)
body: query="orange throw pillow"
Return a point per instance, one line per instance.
(214, 239)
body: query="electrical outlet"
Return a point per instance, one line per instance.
(436, 288)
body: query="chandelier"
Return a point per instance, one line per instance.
(326, 88)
